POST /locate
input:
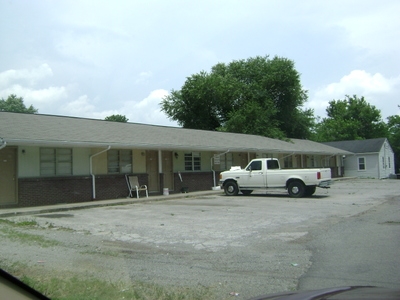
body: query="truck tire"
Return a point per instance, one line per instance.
(247, 192)
(310, 190)
(231, 188)
(296, 189)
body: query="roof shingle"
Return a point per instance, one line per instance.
(30, 129)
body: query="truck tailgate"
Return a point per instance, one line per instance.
(325, 174)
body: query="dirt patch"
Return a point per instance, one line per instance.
(251, 245)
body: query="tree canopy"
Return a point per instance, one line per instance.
(255, 96)
(394, 137)
(350, 119)
(16, 104)
(117, 118)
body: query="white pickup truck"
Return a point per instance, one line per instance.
(265, 173)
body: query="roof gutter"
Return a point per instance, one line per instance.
(91, 171)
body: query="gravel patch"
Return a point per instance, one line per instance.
(250, 245)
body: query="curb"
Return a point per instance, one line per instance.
(12, 212)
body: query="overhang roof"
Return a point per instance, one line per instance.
(359, 146)
(57, 131)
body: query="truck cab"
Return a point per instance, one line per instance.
(266, 173)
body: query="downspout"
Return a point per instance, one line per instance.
(91, 171)
(212, 158)
(3, 143)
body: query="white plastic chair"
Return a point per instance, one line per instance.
(133, 185)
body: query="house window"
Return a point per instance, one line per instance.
(192, 161)
(119, 161)
(226, 161)
(361, 164)
(288, 162)
(55, 161)
(389, 162)
(312, 160)
(383, 162)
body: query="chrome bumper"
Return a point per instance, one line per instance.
(325, 184)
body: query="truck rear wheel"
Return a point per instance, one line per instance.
(310, 190)
(247, 192)
(296, 189)
(231, 188)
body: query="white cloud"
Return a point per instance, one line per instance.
(25, 83)
(143, 77)
(36, 97)
(48, 95)
(79, 107)
(148, 110)
(31, 76)
(374, 27)
(376, 89)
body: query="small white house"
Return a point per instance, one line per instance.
(373, 158)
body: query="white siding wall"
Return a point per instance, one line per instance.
(371, 166)
(386, 159)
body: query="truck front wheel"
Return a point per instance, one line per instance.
(296, 189)
(231, 188)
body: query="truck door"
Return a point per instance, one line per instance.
(254, 175)
(273, 174)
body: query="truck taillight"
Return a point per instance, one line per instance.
(318, 175)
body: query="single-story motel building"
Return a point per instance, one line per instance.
(46, 159)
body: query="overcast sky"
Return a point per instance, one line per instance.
(98, 58)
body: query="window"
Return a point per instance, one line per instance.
(272, 164)
(312, 159)
(55, 161)
(383, 163)
(361, 164)
(119, 161)
(389, 162)
(254, 166)
(226, 161)
(288, 162)
(192, 161)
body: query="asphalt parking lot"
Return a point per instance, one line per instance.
(250, 245)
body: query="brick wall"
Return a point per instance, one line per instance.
(335, 172)
(195, 181)
(57, 190)
(74, 189)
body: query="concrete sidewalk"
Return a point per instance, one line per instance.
(10, 212)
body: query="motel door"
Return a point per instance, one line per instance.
(8, 183)
(168, 170)
(152, 170)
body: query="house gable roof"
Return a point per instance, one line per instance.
(359, 146)
(60, 131)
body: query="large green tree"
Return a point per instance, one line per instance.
(256, 96)
(394, 138)
(350, 119)
(16, 104)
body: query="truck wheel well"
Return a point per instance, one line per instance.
(229, 180)
(293, 179)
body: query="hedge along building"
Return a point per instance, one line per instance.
(52, 159)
